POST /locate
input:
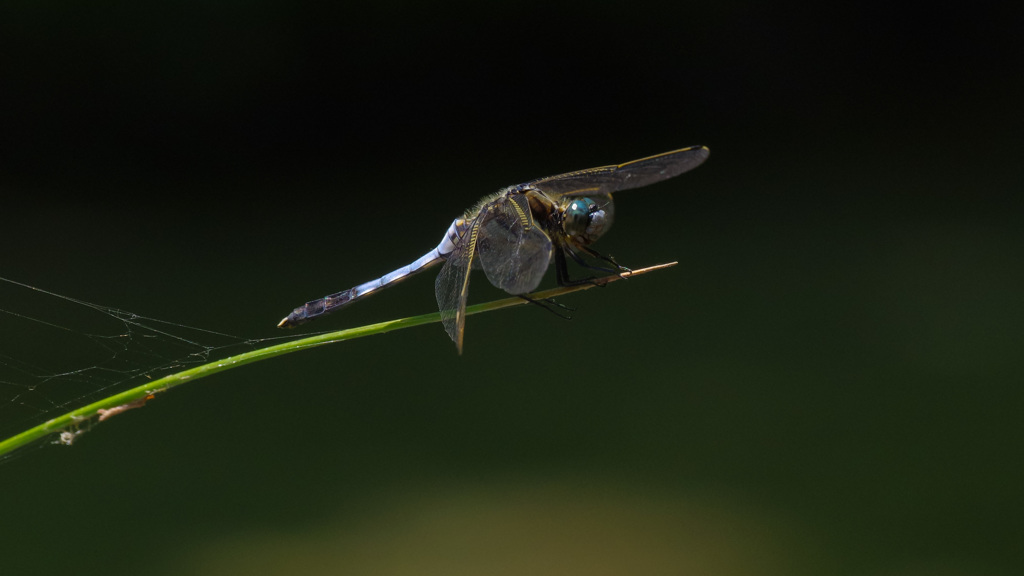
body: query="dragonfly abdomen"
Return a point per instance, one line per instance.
(327, 304)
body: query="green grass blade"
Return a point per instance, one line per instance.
(136, 397)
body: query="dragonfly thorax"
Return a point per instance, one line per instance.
(584, 220)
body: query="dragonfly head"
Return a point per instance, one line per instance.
(586, 219)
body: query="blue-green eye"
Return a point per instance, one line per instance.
(576, 217)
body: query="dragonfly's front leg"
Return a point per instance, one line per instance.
(562, 269)
(619, 268)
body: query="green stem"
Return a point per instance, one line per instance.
(137, 396)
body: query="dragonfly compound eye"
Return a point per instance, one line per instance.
(576, 217)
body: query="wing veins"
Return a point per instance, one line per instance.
(626, 176)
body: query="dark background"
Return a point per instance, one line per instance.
(828, 383)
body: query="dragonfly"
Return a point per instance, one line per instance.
(514, 233)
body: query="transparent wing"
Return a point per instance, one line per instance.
(608, 179)
(452, 285)
(513, 251)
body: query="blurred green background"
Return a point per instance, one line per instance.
(828, 383)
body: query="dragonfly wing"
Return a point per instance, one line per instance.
(452, 285)
(513, 251)
(608, 179)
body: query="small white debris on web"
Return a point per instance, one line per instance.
(110, 413)
(67, 438)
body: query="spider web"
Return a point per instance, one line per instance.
(58, 353)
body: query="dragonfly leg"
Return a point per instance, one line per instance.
(549, 304)
(609, 259)
(562, 270)
(597, 255)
